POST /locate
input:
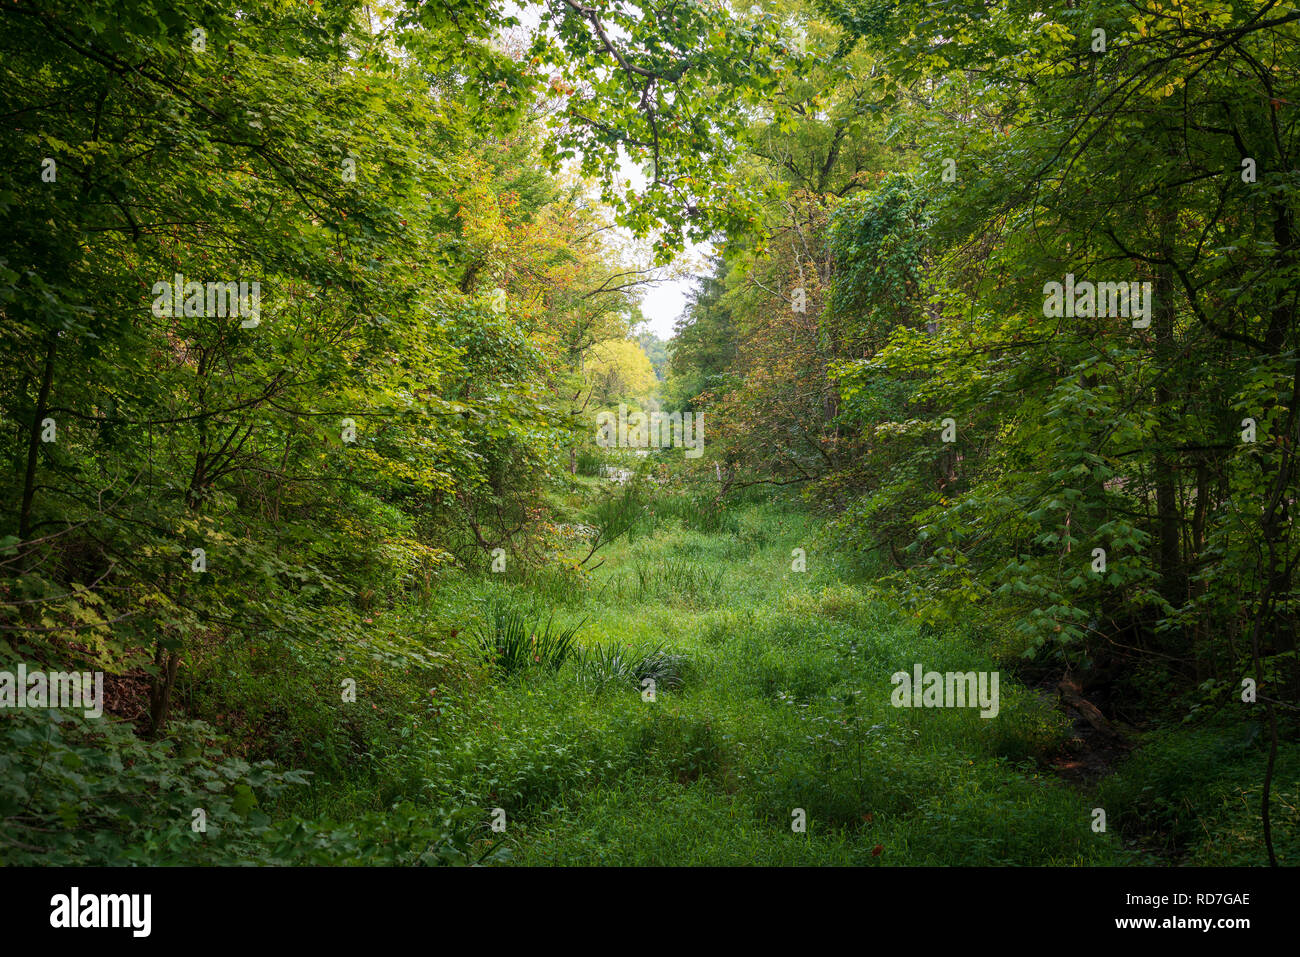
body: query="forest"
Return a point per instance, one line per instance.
(357, 508)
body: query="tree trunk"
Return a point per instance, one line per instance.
(34, 442)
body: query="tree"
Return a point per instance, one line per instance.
(619, 369)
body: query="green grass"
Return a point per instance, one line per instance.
(774, 696)
(772, 693)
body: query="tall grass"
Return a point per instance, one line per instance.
(671, 579)
(701, 511)
(602, 666)
(512, 641)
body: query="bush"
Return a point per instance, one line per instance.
(1177, 791)
(82, 792)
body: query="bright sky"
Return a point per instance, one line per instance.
(662, 304)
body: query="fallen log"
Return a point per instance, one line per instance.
(1071, 694)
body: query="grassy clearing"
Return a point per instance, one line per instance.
(772, 693)
(785, 705)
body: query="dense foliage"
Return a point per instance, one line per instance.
(1113, 493)
(310, 310)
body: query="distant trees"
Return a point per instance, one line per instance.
(619, 369)
(656, 351)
